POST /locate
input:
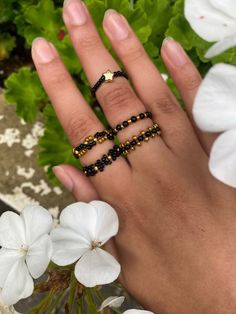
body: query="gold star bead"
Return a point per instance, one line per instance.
(109, 76)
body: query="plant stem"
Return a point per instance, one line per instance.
(73, 285)
(44, 303)
(54, 305)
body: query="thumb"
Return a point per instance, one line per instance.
(76, 182)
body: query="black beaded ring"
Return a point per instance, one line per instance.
(109, 134)
(122, 149)
(108, 77)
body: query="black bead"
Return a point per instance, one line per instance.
(110, 137)
(119, 127)
(148, 134)
(141, 138)
(125, 124)
(133, 143)
(127, 146)
(134, 119)
(97, 135)
(149, 114)
(142, 116)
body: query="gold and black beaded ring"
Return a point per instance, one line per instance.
(101, 137)
(108, 77)
(121, 150)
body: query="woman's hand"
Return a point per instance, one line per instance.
(177, 239)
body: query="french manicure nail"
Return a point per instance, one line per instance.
(75, 12)
(115, 25)
(44, 50)
(175, 52)
(63, 177)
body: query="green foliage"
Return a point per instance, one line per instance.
(7, 44)
(152, 21)
(24, 89)
(52, 154)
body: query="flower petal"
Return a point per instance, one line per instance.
(208, 22)
(18, 285)
(214, 109)
(226, 6)
(97, 267)
(221, 46)
(137, 312)
(37, 222)
(222, 162)
(12, 232)
(68, 246)
(107, 222)
(7, 260)
(39, 256)
(80, 217)
(113, 302)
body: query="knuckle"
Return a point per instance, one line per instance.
(192, 82)
(133, 53)
(88, 42)
(79, 127)
(118, 97)
(58, 79)
(165, 104)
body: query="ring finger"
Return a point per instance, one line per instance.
(118, 99)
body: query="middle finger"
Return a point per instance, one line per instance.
(118, 99)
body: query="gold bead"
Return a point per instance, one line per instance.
(132, 148)
(129, 121)
(95, 139)
(100, 141)
(96, 169)
(139, 144)
(138, 117)
(86, 142)
(135, 137)
(109, 157)
(143, 132)
(153, 135)
(146, 139)
(90, 138)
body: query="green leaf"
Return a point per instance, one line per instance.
(7, 44)
(25, 90)
(159, 13)
(45, 21)
(55, 148)
(7, 11)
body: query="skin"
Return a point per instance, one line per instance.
(176, 242)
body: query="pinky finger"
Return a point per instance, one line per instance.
(76, 183)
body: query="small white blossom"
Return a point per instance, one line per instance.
(214, 21)
(214, 110)
(112, 302)
(83, 229)
(6, 309)
(25, 253)
(137, 312)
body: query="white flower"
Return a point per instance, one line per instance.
(83, 229)
(112, 302)
(214, 21)
(25, 253)
(6, 309)
(214, 110)
(137, 312)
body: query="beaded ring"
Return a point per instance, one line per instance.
(122, 149)
(108, 77)
(101, 137)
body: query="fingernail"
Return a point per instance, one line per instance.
(75, 12)
(175, 52)
(45, 51)
(63, 177)
(115, 25)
